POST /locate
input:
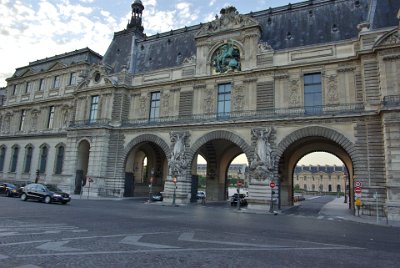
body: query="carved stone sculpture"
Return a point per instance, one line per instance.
(262, 163)
(177, 161)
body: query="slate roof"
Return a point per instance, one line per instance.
(302, 24)
(69, 58)
(316, 169)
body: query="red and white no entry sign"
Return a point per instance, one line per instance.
(357, 190)
(272, 184)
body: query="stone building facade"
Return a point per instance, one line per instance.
(275, 85)
(327, 179)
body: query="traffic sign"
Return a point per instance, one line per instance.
(357, 190)
(272, 184)
(357, 184)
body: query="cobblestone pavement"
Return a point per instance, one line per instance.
(130, 233)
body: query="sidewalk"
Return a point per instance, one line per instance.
(337, 208)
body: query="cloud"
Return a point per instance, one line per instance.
(29, 33)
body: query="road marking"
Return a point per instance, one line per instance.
(134, 240)
(28, 266)
(8, 234)
(56, 246)
(172, 250)
(25, 242)
(190, 238)
(116, 235)
(2, 257)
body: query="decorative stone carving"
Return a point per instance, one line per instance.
(229, 19)
(262, 164)
(208, 103)
(238, 101)
(177, 162)
(190, 60)
(165, 103)
(294, 98)
(333, 96)
(226, 58)
(264, 47)
(142, 105)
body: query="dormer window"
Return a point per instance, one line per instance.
(57, 80)
(28, 87)
(72, 79)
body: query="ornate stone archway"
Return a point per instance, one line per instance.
(307, 140)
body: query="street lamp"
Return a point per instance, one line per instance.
(174, 195)
(151, 184)
(238, 184)
(345, 187)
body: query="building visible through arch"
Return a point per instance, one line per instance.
(274, 85)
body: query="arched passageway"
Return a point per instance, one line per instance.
(295, 150)
(146, 166)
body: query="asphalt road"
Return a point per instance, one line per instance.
(130, 233)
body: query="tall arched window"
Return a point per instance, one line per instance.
(28, 159)
(59, 160)
(2, 157)
(43, 159)
(14, 159)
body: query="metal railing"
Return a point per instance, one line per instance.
(267, 114)
(391, 100)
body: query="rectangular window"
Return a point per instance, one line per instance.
(57, 80)
(2, 157)
(14, 90)
(224, 100)
(312, 93)
(28, 88)
(94, 105)
(50, 119)
(28, 159)
(43, 160)
(41, 84)
(72, 79)
(59, 160)
(22, 120)
(155, 106)
(14, 159)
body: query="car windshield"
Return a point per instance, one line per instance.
(10, 185)
(53, 188)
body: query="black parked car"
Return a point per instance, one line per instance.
(234, 200)
(10, 190)
(47, 193)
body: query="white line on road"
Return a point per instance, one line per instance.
(117, 235)
(25, 242)
(2, 257)
(134, 240)
(157, 251)
(190, 238)
(56, 246)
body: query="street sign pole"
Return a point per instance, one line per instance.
(271, 205)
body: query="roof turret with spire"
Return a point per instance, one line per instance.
(136, 20)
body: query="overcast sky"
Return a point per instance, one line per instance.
(36, 29)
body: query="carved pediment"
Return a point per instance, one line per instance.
(57, 66)
(230, 19)
(28, 72)
(97, 75)
(388, 40)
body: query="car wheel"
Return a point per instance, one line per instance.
(64, 202)
(24, 197)
(8, 194)
(47, 199)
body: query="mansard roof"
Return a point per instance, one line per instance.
(307, 23)
(317, 169)
(69, 58)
